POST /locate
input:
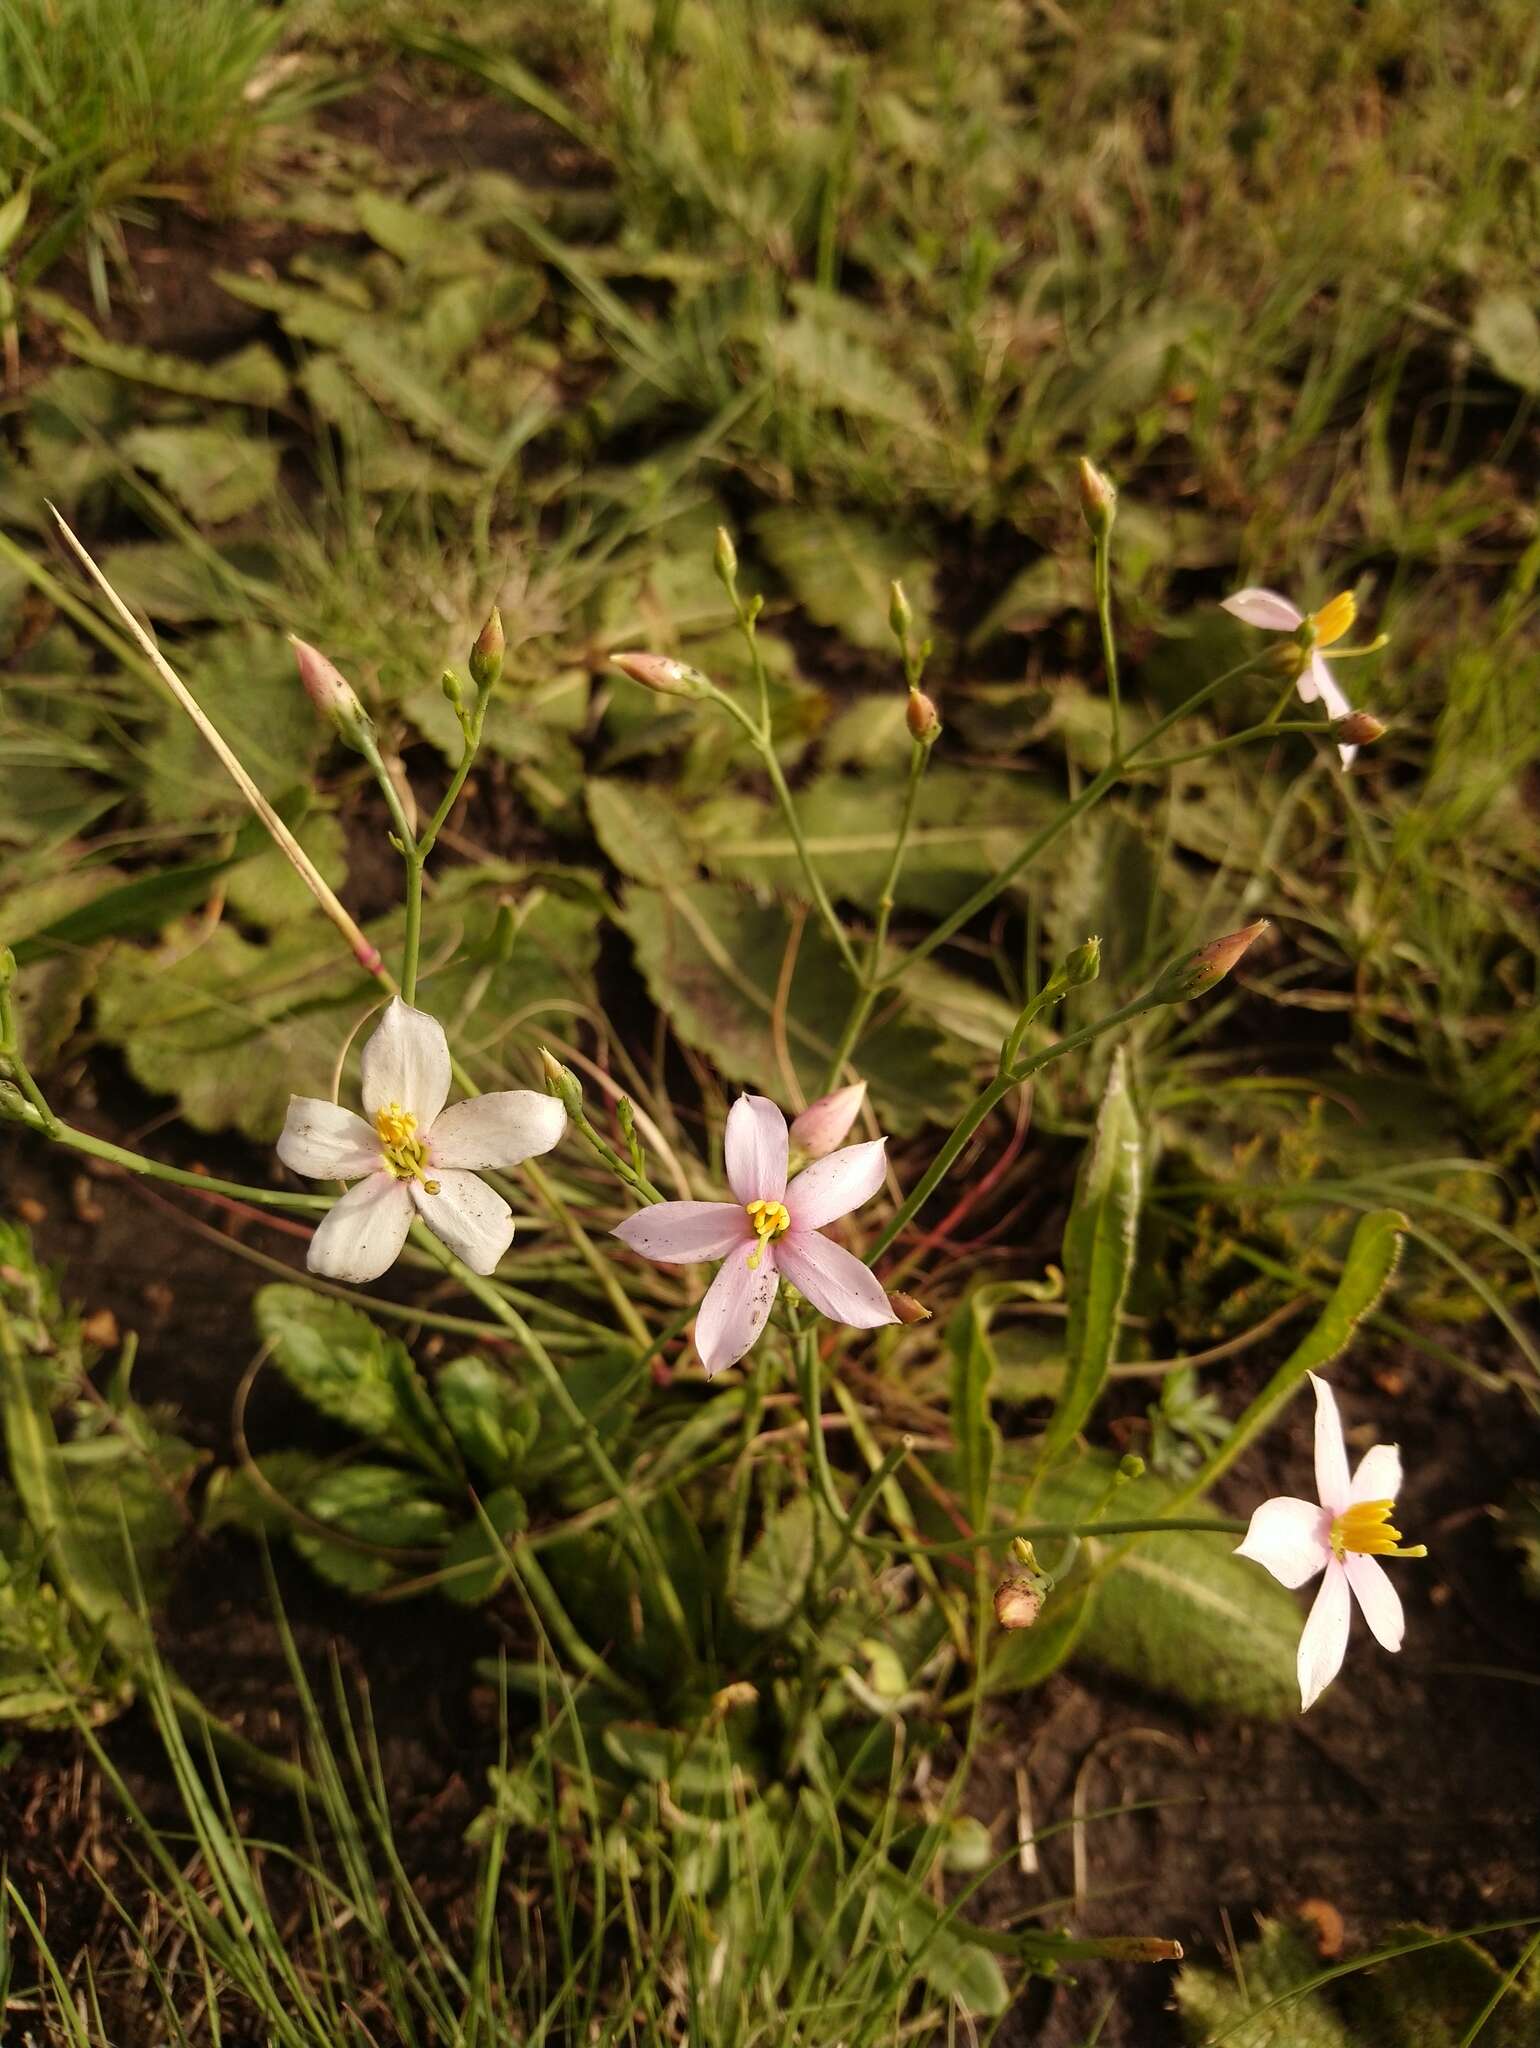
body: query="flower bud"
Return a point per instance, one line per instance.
(1359, 729)
(900, 616)
(658, 672)
(1098, 499)
(908, 1309)
(486, 662)
(725, 559)
(333, 696)
(449, 683)
(1018, 1602)
(826, 1122)
(923, 719)
(1084, 964)
(1196, 973)
(1130, 1466)
(561, 1082)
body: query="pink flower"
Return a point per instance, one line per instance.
(1345, 1536)
(1313, 679)
(768, 1230)
(413, 1157)
(826, 1122)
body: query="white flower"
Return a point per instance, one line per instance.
(1345, 1536)
(414, 1157)
(1313, 678)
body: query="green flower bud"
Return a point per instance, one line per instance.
(1098, 499)
(1084, 964)
(486, 662)
(726, 559)
(900, 616)
(561, 1082)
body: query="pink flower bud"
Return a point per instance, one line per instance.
(332, 695)
(825, 1124)
(922, 718)
(658, 672)
(1359, 729)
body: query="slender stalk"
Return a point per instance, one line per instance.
(601, 1268)
(783, 796)
(1102, 576)
(866, 995)
(155, 1169)
(11, 1055)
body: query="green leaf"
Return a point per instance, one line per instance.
(346, 1366)
(1099, 1246)
(476, 1553)
(1506, 331)
(772, 1578)
(216, 473)
(374, 1504)
(1179, 1612)
(252, 376)
(841, 570)
(491, 1419)
(940, 1950)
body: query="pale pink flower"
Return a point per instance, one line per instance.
(768, 1230)
(826, 1122)
(1345, 1535)
(413, 1157)
(1314, 679)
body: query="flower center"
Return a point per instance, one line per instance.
(405, 1154)
(1333, 619)
(770, 1220)
(1366, 1527)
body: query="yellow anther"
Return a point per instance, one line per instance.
(1334, 618)
(770, 1220)
(1366, 1528)
(430, 1187)
(404, 1152)
(396, 1126)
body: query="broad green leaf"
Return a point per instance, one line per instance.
(215, 472)
(841, 569)
(252, 376)
(417, 393)
(938, 1949)
(640, 831)
(491, 1419)
(1432, 1997)
(346, 1366)
(838, 372)
(773, 1576)
(375, 1505)
(1099, 1246)
(237, 1497)
(476, 1555)
(1505, 329)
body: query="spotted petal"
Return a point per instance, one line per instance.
(496, 1130)
(1331, 1464)
(324, 1141)
(1323, 1645)
(407, 1062)
(754, 1145)
(832, 1187)
(1378, 1598)
(835, 1281)
(471, 1218)
(1264, 608)
(736, 1308)
(1290, 1538)
(361, 1236)
(680, 1233)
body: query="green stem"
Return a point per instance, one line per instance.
(602, 1268)
(1102, 572)
(982, 1105)
(153, 1169)
(11, 1055)
(766, 750)
(866, 995)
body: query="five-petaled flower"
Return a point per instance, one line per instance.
(769, 1230)
(1313, 630)
(1345, 1536)
(413, 1157)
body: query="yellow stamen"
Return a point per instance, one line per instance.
(770, 1220)
(395, 1124)
(405, 1153)
(1334, 618)
(1366, 1528)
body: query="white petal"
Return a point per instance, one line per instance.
(736, 1308)
(407, 1062)
(1323, 1645)
(471, 1218)
(832, 1187)
(1333, 698)
(361, 1237)
(1331, 1463)
(324, 1141)
(1290, 1538)
(497, 1130)
(1378, 1476)
(755, 1148)
(835, 1281)
(1378, 1598)
(1264, 608)
(681, 1233)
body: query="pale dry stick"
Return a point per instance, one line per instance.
(366, 954)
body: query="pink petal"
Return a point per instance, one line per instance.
(680, 1233)
(736, 1308)
(1323, 1645)
(826, 1122)
(1378, 1476)
(755, 1149)
(834, 1186)
(471, 1218)
(496, 1130)
(1264, 608)
(835, 1281)
(1331, 1464)
(1378, 1598)
(361, 1237)
(1290, 1538)
(323, 1141)
(407, 1062)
